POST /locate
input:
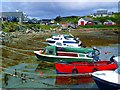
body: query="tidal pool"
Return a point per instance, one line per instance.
(34, 77)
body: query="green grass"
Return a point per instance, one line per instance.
(101, 26)
(12, 26)
(47, 27)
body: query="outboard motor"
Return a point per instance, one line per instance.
(95, 55)
(97, 51)
(112, 59)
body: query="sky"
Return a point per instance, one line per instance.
(51, 9)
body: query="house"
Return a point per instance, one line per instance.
(84, 21)
(64, 24)
(12, 17)
(102, 13)
(47, 21)
(108, 22)
(89, 23)
(44, 21)
(51, 22)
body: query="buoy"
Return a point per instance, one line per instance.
(40, 51)
(107, 52)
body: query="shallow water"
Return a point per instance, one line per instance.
(47, 78)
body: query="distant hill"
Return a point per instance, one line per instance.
(70, 19)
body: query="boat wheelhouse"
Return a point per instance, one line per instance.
(61, 43)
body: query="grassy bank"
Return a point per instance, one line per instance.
(102, 27)
(12, 27)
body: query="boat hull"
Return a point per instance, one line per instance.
(53, 58)
(103, 85)
(84, 67)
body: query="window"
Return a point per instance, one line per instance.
(56, 38)
(69, 42)
(58, 43)
(68, 36)
(50, 52)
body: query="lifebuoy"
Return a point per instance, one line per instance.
(74, 71)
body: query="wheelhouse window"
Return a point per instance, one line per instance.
(56, 38)
(69, 42)
(50, 52)
(58, 43)
(68, 36)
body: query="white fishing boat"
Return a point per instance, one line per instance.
(64, 41)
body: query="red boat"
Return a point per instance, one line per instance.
(71, 80)
(84, 67)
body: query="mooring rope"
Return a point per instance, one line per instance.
(8, 59)
(18, 52)
(18, 49)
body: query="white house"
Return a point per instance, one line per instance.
(83, 21)
(102, 13)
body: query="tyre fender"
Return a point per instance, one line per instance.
(94, 69)
(74, 71)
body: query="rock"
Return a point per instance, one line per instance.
(29, 31)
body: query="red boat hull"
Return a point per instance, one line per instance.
(84, 67)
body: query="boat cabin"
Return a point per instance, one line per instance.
(63, 37)
(66, 44)
(68, 51)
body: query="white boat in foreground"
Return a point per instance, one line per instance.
(107, 79)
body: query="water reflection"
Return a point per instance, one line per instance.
(73, 80)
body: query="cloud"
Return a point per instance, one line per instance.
(53, 9)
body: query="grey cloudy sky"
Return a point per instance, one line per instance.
(42, 10)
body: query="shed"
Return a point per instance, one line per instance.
(83, 21)
(108, 22)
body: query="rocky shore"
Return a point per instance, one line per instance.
(18, 47)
